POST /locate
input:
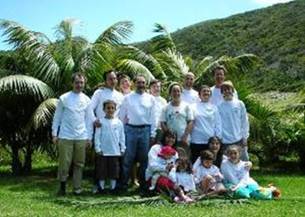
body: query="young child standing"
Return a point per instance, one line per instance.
(207, 176)
(235, 124)
(109, 146)
(237, 177)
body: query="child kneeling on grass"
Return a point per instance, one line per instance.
(237, 178)
(208, 177)
(109, 147)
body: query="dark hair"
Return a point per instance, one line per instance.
(138, 76)
(213, 138)
(79, 75)
(109, 102)
(184, 163)
(203, 87)
(168, 133)
(155, 81)
(172, 85)
(220, 67)
(206, 155)
(107, 73)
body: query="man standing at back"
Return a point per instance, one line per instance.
(219, 77)
(70, 132)
(189, 95)
(138, 110)
(103, 94)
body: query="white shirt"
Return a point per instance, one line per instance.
(217, 97)
(177, 117)
(234, 119)
(158, 164)
(190, 96)
(139, 109)
(100, 96)
(207, 123)
(110, 137)
(184, 179)
(160, 104)
(202, 172)
(236, 174)
(71, 117)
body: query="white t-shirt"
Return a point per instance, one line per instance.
(71, 117)
(177, 117)
(202, 172)
(207, 123)
(184, 179)
(234, 119)
(139, 109)
(110, 137)
(100, 96)
(190, 96)
(160, 104)
(236, 174)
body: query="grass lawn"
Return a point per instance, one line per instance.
(35, 196)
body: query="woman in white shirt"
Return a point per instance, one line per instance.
(207, 123)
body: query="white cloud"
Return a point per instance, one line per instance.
(270, 2)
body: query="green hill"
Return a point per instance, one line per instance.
(276, 34)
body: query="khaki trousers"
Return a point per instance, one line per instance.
(71, 150)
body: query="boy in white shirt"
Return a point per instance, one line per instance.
(189, 95)
(109, 146)
(208, 176)
(234, 119)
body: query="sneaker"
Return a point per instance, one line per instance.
(77, 192)
(61, 192)
(187, 199)
(95, 189)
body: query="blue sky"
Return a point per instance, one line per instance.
(94, 16)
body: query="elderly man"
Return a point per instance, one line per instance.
(138, 110)
(70, 132)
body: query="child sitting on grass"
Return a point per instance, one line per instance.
(182, 175)
(208, 177)
(160, 167)
(237, 178)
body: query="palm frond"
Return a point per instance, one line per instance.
(65, 28)
(116, 33)
(30, 44)
(133, 68)
(42, 116)
(163, 41)
(173, 64)
(147, 60)
(23, 85)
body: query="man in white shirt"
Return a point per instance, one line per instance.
(234, 118)
(155, 89)
(138, 110)
(103, 94)
(70, 132)
(219, 77)
(189, 95)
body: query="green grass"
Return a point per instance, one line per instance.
(35, 196)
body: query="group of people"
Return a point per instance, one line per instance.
(197, 141)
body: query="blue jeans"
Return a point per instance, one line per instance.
(137, 147)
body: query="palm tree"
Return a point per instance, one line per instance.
(28, 99)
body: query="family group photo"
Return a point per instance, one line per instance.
(164, 108)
